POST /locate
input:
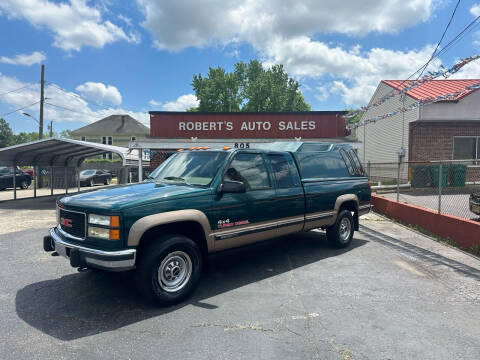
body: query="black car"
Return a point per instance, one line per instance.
(22, 180)
(475, 203)
(91, 177)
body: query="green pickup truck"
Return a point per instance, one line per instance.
(201, 201)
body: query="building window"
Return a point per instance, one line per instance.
(466, 147)
(84, 138)
(133, 138)
(107, 140)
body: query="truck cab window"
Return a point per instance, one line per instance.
(249, 169)
(284, 171)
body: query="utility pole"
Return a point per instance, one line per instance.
(51, 128)
(42, 100)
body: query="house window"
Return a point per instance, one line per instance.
(466, 147)
(133, 138)
(107, 140)
(84, 138)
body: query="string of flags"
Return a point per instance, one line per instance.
(412, 84)
(416, 105)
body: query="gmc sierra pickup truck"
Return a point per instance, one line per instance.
(201, 201)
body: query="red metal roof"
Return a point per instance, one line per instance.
(434, 88)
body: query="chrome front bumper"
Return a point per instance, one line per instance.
(364, 209)
(81, 256)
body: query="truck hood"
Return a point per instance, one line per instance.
(124, 196)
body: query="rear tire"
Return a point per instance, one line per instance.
(340, 235)
(107, 182)
(91, 183)
(169, 269)
(24, 184)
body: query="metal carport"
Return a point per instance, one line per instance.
(58, 152)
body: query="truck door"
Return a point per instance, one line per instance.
(243, 218)
(289, 195)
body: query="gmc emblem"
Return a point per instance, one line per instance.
(66, 222)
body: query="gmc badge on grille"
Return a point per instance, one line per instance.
(66, 222)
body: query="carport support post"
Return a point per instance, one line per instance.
(440, 188)
(140, 165)
(14, 180)
(78, 179)
(66, 180)
(35, 177)
(51, 180)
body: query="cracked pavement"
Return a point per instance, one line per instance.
(394, 294)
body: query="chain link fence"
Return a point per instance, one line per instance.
(449, 187)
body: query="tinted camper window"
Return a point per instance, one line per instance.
(322, 165)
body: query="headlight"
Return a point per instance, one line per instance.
(99, 219)
(112, 221)
(110, 233)
(97, 232)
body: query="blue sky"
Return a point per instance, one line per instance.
(131, 57)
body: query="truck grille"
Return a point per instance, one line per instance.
(73, 223)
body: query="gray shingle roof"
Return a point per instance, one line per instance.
(114, 125)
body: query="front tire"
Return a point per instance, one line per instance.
(340, 235)
(91, 183)
(107, 181)
(169, 269)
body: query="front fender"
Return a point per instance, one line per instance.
(140, 226)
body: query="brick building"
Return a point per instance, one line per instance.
(444, 130)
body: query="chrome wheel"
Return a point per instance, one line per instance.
(174, 272)
(345, 229)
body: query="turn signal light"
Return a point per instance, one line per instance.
(227, 148)
(114, 234)
(114, 221)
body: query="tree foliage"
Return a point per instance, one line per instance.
(249, 87)
(6, 134)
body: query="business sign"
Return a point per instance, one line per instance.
(248, 125)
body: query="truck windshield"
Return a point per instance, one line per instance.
(190, 168)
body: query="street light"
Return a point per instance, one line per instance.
(33, 117)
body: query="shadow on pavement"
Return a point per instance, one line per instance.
(89, 303)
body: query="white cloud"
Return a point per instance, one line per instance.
(155, 102)
(75, 108)
(74, 24)
(356, 74)
(100, 92)
(182, 23)
(475, 10)
(182, 103)
(35, 57)
(469, 71)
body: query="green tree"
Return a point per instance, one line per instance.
(6, 134)
(218, 92)
(249, 87)
(66, 134)
(24, 137)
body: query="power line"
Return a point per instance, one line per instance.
(22, 108)
(68, 109)
(21, 88)
(441, 39)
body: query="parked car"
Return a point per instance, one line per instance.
(22, 180)
(475, 203)
(203, 201)
(91, 177)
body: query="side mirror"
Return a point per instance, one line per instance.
(232, 187)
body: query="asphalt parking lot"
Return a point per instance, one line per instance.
(395, 294)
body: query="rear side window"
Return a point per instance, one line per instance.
(348, 161)
(249, 169)
(284, 170)
(322, 165)
(358, 164)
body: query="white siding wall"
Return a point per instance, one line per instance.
(467, 108)
(384, 138)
